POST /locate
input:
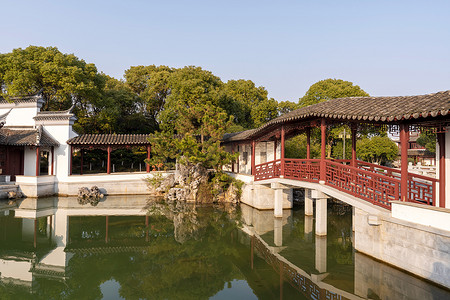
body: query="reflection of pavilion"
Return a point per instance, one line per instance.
(43, 227)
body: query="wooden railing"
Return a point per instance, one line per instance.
(373, 187)
(268, 170)
(302, 169)
(377, 184)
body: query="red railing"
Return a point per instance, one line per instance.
(302, 169)
(375, 188)
(376, 184)
(268, 170)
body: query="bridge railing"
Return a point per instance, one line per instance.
(376, 184)
(302, 169)
(271, 169)
(373, 187)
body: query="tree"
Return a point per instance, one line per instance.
(330, 89)
(296, 147)
(286, 106)
(152, 85)
(378, 149)
(248, 104)
(62, 79)
(325, 90)
(427, 140)
(192, 121)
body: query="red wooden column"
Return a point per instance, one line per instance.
(71, 159)
(323, 141)
(149, 149)
(404, 139)
(308, 143)
(37, 160)
(282, 151)
(253, 156)
(81, 168)
(353, 127)
(108, 163)
(441, 141)
(52, 172)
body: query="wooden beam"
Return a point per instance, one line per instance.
(37, 161)
(404, 139)
(53, 161)
(441, 141)
(253, 156)
(323, 141)
(308, 143)
(283, 133)
(108, 162)
(354, 130)
(149, 149)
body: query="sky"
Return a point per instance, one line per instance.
(386, 47)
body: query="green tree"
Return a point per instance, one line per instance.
(296, 147)
(62, 79)
(330, 89)
(286, 106)
(152, 85)
(248, 104)
(427, 140)
(378, 149)
(191, 122)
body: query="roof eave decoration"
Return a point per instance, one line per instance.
(3, 118)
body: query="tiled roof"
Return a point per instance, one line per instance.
(385, 109)
(26, 137)
(23, 99)
(54, 115)
(365, 109)
(110, 139)
(238, 136)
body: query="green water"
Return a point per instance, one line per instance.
(133, 248)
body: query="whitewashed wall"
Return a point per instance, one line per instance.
(29, 163)
(21, 114)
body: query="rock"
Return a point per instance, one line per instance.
(91, 196)
(232, 194)
(166, 184)
(14, 195)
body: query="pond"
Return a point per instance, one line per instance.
(139, 248)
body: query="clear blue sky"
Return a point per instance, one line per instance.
(386, 47)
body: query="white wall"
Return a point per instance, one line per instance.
(20, 116)
(29, 164)
(60, 132)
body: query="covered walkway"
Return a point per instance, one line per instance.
(376, 184)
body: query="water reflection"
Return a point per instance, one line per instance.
(133, 248)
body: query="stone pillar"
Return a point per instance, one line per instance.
(308, 228)
(278, 201)
(321, 211)
(309, 210)
(278, 204)
(321, 254)
(278, 231)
